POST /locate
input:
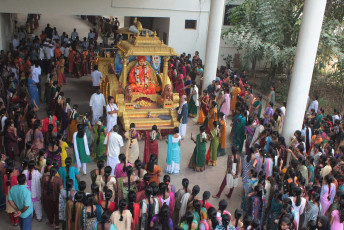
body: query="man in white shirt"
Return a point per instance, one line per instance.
(15, 42)
(314, 105)
(74, 35)
(36, 72)
(96, 77)
(111, 110)
(91, 35)
(113, 143)
(97, 104)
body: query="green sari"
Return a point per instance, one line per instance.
(122, 188)
(192, 108)
(98, 145)
(197, 161)
(211, 157)
(238, 131)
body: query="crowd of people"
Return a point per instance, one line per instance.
(295, 186)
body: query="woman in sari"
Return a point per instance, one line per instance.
(33, 181)
(180, 85)
(50, 119)
(166, 197)
(33, 91)
(98, 145)
(256, 204)
(72, 126)
(235, 93)
(11, 139)
(132, 146)
(81, 151)
(134, 208)
(51, 186)
(77, 65)
(249, 131)
(225, 105)
(193, 103)
(67, 193)
(203, 113)
(173, 152)
(153, 169)
(74, 211)
(54, 150)
(126, 184)
(104, 223)
(221, 150)
(197, 161)
(238, 129)
(248, 188)
(151, 143)
(211, 156)
(10, 180)
(120, 169)
(65, 117)
(84, 70)
(122, 218)
(91, 213)
(212, 116)
(71, 60)
(328, 192)
(107, 182)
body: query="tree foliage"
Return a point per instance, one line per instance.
(268, 30)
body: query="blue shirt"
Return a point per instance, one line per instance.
(73, 172)
(21, 196)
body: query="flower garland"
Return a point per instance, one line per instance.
(153, 135)
(131, 138)
(156, 62)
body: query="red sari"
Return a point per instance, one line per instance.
(151, 146)
(71, 61)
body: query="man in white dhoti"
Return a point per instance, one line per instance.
(97, 104)
(113, 142)
(111, 110)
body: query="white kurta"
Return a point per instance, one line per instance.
(97, 103)
(111, 120)
(114, 142)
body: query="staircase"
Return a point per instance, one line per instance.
(142, 122)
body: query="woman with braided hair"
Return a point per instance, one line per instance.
(74, 210)
(166, 197)
(122, 218)
(66, 194)
(98, 144)
(106, 202)
(104, 224)
(33, 181)
(51, 186)
(211, 156)
(69, 172)
(125, 184)
(91, 212)
(10, 180)
(106, 182)
(35, 136)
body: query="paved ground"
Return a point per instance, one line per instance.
(80, 91)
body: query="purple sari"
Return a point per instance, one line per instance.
(250, 133)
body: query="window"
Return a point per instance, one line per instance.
(226, 21)
(190, 24)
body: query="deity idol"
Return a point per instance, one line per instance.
(140, 77)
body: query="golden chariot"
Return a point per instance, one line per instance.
(145, 110)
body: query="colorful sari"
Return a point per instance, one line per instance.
(123, 190)
(197, 161)
(171, 204)
(211, 157)
(235, 93)
(98, 144)
(249, 137)
(222, 145)
(248, 188)
(238, 131)
(203, 113)
(180, 85)
(119, 172)
(173, 156)
(151, 146)
(192, 108)
(212, 116)
(75, 224)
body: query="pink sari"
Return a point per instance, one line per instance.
(171, 205)
(180, 85)
(119, 171)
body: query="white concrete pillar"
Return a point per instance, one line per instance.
(307, 46)
(213, 41)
